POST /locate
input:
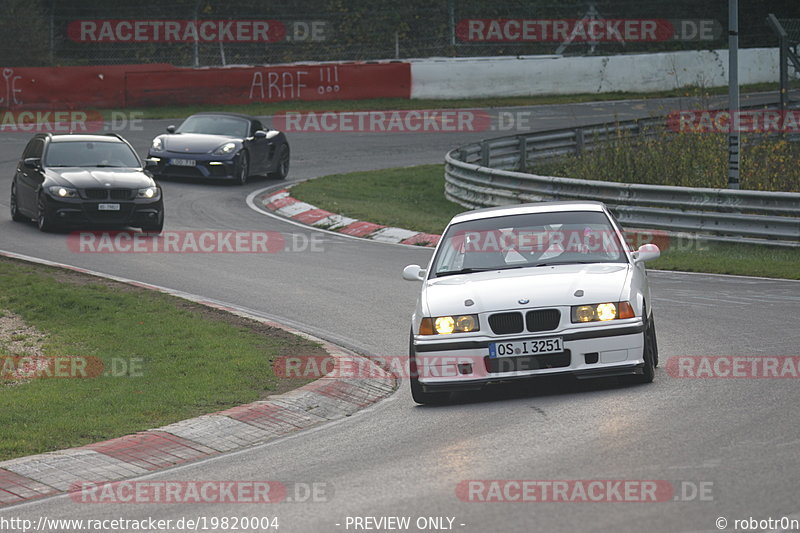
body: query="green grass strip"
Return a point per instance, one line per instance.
(168, 360)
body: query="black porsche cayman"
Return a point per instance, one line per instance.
(220, 146)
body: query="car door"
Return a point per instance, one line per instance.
(29, 179)
(258, 148)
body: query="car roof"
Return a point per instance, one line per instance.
(224, 114)
(522, 209)
(68, 137)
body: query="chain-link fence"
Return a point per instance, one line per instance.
(219, 32)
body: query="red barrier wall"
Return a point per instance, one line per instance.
(119, 86)
(347, 81)
(66, 88)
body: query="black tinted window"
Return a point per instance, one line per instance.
(34, 149)
(90, 154)
(216, 125)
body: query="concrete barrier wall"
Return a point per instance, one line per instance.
(491, 77)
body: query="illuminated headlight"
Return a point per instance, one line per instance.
(158, 145)
(227, 148)
(602, 312)
(148, 193)
(63, 192)
(445, 325)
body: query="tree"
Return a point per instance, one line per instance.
(25, 39)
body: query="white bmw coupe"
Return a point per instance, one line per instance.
(531, 290)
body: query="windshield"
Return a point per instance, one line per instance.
(216, 125)
(90, 154)
(529, 240)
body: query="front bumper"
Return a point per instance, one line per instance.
(464, 364)
(80, 212)
(206, 166)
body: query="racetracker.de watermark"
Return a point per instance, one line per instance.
(200, 492)
(70, 121)
(193, 242)
(734, 366)
(722, 121)
(578, 241)
(392, 121)
(25, 367)
(594, 30)
(176, 31)
(583, 491)
(591, 30)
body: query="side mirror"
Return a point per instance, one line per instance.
(32, 162)
(171, 128)
(151, 163)
(260, 134)
(414, 273)
(646, 252)
(272, 133)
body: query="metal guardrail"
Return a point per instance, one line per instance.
(491, 173)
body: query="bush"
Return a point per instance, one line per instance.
(684, 159)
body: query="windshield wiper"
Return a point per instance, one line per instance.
(473, 269)
(551, 263)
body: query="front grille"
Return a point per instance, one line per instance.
(528, 362)
(121, 194)
(506, 323)
(542, 319)
(96, 194)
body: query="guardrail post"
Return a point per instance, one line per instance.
(523, 153)
(484, 154)
(579, 141)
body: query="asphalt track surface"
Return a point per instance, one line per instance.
(738, 436)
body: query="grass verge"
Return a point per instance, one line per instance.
(413, 198)
(382, 104)
(164, 359)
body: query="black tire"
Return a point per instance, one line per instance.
(417, 393)
(16, 216)
(43, 217)
(243, 168)
(650, 354)
(282, 170)
(652, 323)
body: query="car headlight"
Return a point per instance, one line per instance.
(158, 145)
(63, 192)
(225, 149)
(602, 312)
(148, 192)
(444, 325)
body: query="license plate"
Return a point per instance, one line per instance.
(183, 162)
(108, 207)
(526, 347)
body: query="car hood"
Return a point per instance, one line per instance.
(113, 178)
(543, 286)
(195, 143)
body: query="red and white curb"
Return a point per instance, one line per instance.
(36, 476)
(282, 203)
